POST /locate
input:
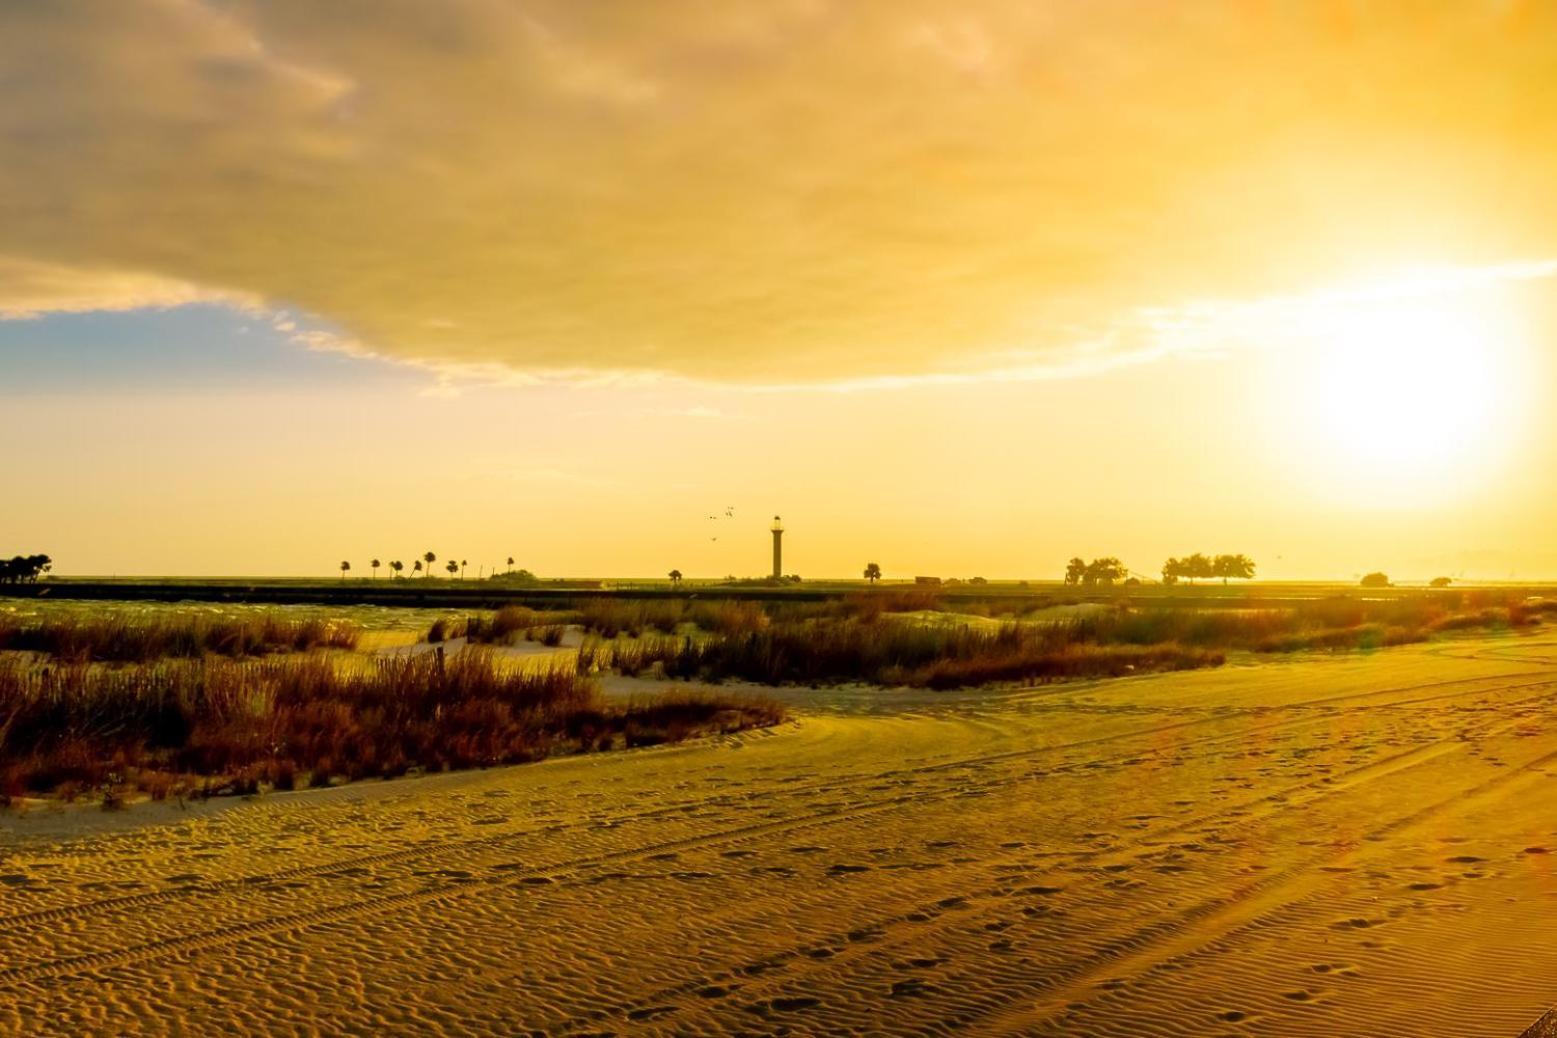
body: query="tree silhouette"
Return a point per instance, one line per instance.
(19, 568)
(1172, 570)
(1239, 567)
(1439, 582)
(375, 564)
(510, 563)
(452, 566)
(675, 578)
(1103, 571)
(1075, 570)
(429, 558)
(1199, 566)
(344, 567)
(872, 572)
(416, 567)
(396, 566)
(1375, 580)
(463, 564)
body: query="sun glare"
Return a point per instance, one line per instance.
(1405, 396)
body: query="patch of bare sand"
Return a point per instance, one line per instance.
(1357, 845)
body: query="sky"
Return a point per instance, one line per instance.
(961, 288)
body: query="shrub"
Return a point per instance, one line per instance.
(239, 727)
(121, 638)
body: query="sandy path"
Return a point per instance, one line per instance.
(1349, 846)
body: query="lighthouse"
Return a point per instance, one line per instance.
(778, 548)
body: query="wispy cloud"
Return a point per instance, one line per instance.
(773, 193)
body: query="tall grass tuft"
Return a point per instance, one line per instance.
(880, 651)
(120, 638)
(243, 726)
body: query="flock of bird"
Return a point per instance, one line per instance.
(729, 513)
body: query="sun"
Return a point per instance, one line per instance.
(1404, 396)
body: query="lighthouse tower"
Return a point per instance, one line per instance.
(778, 548)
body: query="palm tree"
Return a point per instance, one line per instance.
(463, 564)
(344, 567)
(429, 558)
(872, 572)
(397, 566)
(375, 564)
(510, 563)
(675, 577)
(416, 567)
(452, 567)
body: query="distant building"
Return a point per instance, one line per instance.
(778, 549)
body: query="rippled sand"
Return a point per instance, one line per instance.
(1351, 846)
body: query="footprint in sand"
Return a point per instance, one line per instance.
(792, 1004)
(920, 964)
(1354, 923)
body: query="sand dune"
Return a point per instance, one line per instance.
(1348, 846)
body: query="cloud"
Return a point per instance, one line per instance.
(29, 289)
(759, 191)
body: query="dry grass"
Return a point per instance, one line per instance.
(1327, 624)
(857, 641)
(882, 651)
(124, 638)
(219, 726)
(502, 627)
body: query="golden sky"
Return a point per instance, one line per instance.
(957, 286)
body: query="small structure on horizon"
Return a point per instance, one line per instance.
(778, 548)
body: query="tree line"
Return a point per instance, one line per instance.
(455, 568)
(1198, 566)
(24, 569)
(1108, 570)
(1102, 571)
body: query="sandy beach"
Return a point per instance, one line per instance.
(1348, 845)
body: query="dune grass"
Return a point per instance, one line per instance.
(858, 642)
(504, 626)
(1325, 624)
(132, 638)
(882, 651)
(224, 726)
